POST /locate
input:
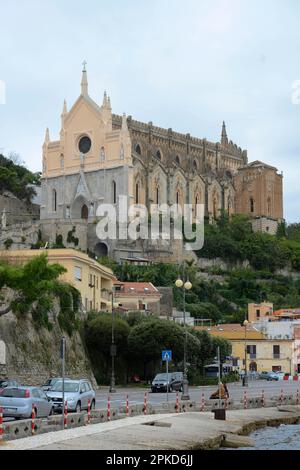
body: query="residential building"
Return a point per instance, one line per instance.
(93, 280)
(138, 296)
(258, 311)
(263, 353)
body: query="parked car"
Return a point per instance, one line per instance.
(77, 394)
(269, 376)
(51, 382)
(17, 402)
(170, 382)
(8, 383)
(281, 375)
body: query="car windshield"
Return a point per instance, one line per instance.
(13, 393)
(69, 387)
(163, 376)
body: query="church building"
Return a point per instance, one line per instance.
(100, 155)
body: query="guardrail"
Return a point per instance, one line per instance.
(20, 429)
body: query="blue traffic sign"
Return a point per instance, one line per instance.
(167, 356)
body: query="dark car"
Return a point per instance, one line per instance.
(8, 383)
(170, 382)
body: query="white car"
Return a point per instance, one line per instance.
(78, 394)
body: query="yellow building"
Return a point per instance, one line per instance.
(93, 280)
(263, 354)
(256, 312)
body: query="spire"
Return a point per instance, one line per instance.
(109, 103)
(124, 123)
(104, 100)
(224, 138)
(84, 81)
(47, 136)
(63, 114)
(65, 110)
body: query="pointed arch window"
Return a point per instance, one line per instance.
(137, 193)
(114, 192)
(54, 200)
(158, 154)
(178, 197)
(195, 165)
(157, 195)
(252, 205)
(177, 159)
(269, 206)
(138, 149)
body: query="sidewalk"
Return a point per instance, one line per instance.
(185, 431)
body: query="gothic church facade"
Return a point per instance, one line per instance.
(100, 155)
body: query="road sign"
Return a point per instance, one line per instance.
(167, 356)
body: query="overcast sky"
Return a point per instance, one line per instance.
(185, 64)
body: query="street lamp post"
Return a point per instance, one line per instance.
(186, 287)
(113, 349)
(245, 381)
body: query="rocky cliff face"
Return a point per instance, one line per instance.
(32, 355)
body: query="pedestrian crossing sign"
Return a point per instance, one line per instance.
(167, 356)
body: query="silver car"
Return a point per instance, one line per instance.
(78, 393)
(18, 402)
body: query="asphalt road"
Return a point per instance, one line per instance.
(236, 391)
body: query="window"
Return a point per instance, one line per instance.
(138, 149)
(54, 200)
(137, 189)
(258, 313)
(114, 190)
(157, 195)
(252, 205)
(177, 160)
(158, 155)
(251, 350)
(78, 273)
(276, 352)
(269, 203)
(195, 165)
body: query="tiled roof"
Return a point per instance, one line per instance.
(137, 288)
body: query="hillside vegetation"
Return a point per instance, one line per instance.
(17, 179)
(232, 240)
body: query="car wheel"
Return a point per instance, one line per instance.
(78, 407)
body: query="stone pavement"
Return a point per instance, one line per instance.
(185, 431)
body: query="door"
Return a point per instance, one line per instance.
(83, 395)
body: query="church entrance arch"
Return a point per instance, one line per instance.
(84, 212)
(80, 208)
(101, 249)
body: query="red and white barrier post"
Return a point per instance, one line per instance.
(108, 409)
(177, 403)
(245, 400)
(146, 404)
(65, 415)
(127, 406)
(263, 402)
(1, 424)
(89, 412)
(33, 420)
(203, 402)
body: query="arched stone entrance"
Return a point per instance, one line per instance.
(80, 208)
(253, 366)
(101, 249)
